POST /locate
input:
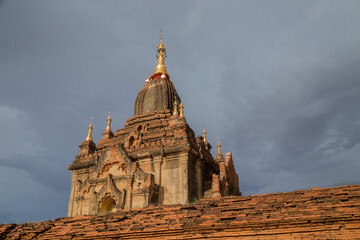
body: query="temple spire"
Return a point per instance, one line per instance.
(161, 55)
(219, 156)
(181, 106)
(89, 136)
(108, 126)
(175, 112)
(204, 133)
(219, 153)
(107, 134)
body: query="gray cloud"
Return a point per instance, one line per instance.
(278, 81)
(307, 126)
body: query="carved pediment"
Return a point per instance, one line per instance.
(114, 161)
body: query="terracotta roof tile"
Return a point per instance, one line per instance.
(312, 214)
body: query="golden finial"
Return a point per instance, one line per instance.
(161, 55)
(176, 112)
(219, 147)
(108, 126)
(181, 106)
(204, 133)
(89, 136)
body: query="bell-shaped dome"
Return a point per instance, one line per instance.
(159, 92)
(156, 95)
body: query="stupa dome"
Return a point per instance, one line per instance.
(156, 95)
(159, 92)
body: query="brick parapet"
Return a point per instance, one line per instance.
(326, 213)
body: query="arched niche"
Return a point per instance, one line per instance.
(107, 205)
(131, 141)
(139, 129)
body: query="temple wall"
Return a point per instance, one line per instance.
(171, 173)
(174, 180)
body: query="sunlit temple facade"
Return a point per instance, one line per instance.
(155, 159)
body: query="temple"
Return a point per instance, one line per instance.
(156, 159)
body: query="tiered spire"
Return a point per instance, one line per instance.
(161, 55)
(89, 136)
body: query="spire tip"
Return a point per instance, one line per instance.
(161, 55)
(219, 147)
(89, 136)
(204, 133)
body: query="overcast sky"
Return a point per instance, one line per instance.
(277, 81)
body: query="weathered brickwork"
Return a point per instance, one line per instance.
(154, 160)
(327, 213)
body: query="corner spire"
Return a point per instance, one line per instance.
(219, 156)
(107, 134)
(176, 111)
(181, 106)
(204, 133)
(88, 146)
(108, 126)
(219, 148)
(161, 55)
(89, 136)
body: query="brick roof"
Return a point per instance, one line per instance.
(318, 213)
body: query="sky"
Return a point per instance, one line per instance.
(277, 81)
